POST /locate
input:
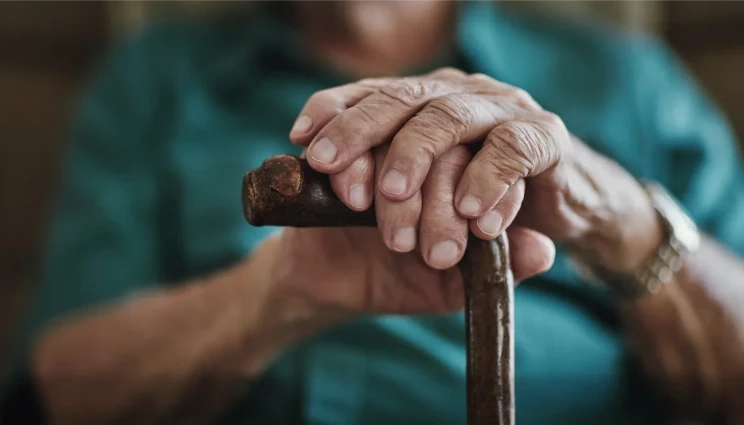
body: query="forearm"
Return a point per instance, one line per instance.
(175, 356)
(690, 335)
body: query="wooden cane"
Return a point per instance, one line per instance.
(285, 191)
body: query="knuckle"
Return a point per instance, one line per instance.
(518, 93)
(425, 149)
(409, 91)
(421, 153)
(458, 230)
(521, 136)
(439, 200)
(521, 96)
(399, 213)
(323, 98)
(438, 127)
(362, 168)
(497, 165)
(362, 114)
(552, 120)
(439, 221)
(371, 83)
(488, 84)
(510, 203)
(481, 77)
(514, 145)
(445, 175)
(509, 207)
(510, 133)
(448, 72)
(452, 112)
(556, 138)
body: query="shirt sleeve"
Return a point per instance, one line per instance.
(102, 235)
(697, 156)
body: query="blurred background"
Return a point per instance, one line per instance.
(47, 48)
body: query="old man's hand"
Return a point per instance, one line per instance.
(448, 151)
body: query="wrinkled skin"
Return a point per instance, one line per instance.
(531, 178)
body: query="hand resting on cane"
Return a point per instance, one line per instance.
(532, 172)
(297, 283)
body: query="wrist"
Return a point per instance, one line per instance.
(621, 248)
(279, 316)
(625, 230)
(244, 291)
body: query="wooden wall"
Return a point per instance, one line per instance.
(709, 35)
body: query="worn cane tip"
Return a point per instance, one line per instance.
(284, 173)
(253, 205)
(286, 191)
(277, 179)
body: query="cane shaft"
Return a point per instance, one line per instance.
(489, 330)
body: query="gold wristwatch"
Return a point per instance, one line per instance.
(682, 239)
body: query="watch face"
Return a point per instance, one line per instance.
(681, 225)
(688, 236)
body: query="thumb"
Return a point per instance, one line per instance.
(531, 252)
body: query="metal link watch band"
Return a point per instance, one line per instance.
(683, 238)
(662, 267)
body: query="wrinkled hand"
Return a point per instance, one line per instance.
(428, 120)
(351, 271)
(404, 142)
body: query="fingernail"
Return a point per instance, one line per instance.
(357, 196)
(469, 205)
(394, 182)
(444, 254)
(302, 125)
(404, 240)
(323, 151)
(490, 223)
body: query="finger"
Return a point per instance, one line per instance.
(354, 186)
(448, 73)
(494, 222)
(397, 221)
(324, 105)
(443, 232)
(513, 150)
(531, 253)
(442, 124)
(484, 84)
(372, 122)
(517, 95)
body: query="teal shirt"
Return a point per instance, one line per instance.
(151, 195)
